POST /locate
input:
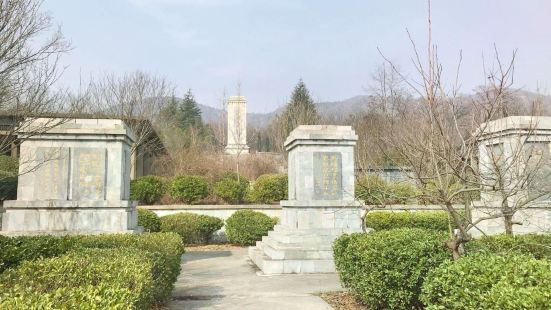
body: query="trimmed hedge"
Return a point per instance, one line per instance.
(269, 188)
(15, 250)
(538, 246)
(373, 190)
(162, 250)
(149, 220)
(102, 296)
(385, 220)
(9, 169)
(125, 270)
(189, 188)
(245, 227)
(230, 189)
(192, 228)
(489, 281)
(147, 189)
(386, 269)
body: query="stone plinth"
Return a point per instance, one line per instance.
(512, 145)
(74, 178)
(237, 125)
(321, 203)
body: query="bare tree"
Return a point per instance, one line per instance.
(29, 54)
(135, 97)
(438, 139)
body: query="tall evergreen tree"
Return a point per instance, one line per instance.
(191, 114)
(171, 114)
(300, 110)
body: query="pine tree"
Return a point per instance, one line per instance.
(191, 114)
(170, 115)
(300, 110)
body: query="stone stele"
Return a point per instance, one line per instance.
(237, 125)
(321, 203)
(74, 178)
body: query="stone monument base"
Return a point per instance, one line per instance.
(303, 242)
(235, 149)
(69, 217)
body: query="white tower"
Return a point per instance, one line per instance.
(237, 125)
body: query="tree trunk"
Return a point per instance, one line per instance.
(454, 246)
(507, 218)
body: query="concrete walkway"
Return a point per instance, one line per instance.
(227, 280)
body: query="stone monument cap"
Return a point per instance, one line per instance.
(321, 134)
(515, 124)
(40, 128)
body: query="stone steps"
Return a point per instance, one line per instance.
(278, 250)
(270, 266)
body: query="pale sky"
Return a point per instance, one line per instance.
(209, 45)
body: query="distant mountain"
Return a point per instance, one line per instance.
(261, 120)
(356, 104)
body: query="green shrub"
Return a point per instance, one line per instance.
(373, 190)
(147, 189)
(402, 192)
(189, 188)
(385, 220)
(269, 188)
(193, 228)
(245, 227)
(14, 250)
(149, 220)
(118, 268)
(230, 189)
(489, 281)
(102, 296)
(9, 169)
(538, 246)
(163, 249)
(386, 269)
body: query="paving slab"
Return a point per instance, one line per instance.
(227, 279)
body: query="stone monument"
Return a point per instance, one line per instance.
(512, 142)
(74, 178)
(321, 203)
(237, 125)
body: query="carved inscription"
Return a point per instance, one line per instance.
(327, 176)
(52, 181)
(89, 174)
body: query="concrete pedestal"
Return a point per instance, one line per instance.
(74, 179)
(321, 204)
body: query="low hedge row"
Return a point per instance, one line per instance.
(105, 270)
(538, 246)
(191, 189)
(245, 227)
(386, 269)
(385, 220)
